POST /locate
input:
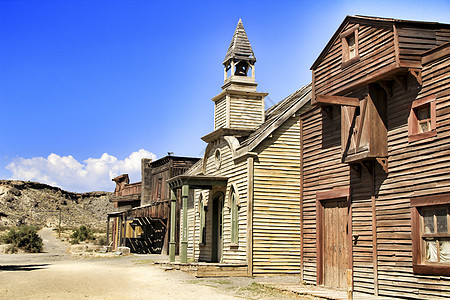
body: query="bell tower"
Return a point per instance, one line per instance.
(239, 106)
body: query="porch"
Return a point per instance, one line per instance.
(206, 269)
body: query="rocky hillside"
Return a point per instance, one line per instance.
(25, 202)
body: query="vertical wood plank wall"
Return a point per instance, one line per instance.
(276, 208)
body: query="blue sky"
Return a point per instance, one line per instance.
(87, 88)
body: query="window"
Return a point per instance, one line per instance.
(202, 210)
(422, 119)
(234, 210)
(349, 41)
(431, 234)
(351, 46)
(217, 158)
(159, 187)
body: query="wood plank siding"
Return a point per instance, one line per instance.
(413, 41)
(236, 171)
(322, 171)
(276, 211)
(220, 113)
(331, 78)
(246, 112)
(406, 64)
(382, 47)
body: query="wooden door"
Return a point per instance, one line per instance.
(335, 243)
(217, 228)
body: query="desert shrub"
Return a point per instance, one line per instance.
(81, 234)
(101, 241)
(11, 249)
(24, 237)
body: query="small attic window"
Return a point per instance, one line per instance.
(349, 41)
(351, 46)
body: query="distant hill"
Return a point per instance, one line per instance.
(25, 202)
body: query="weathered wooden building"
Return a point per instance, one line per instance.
(241, 206)
(142, 217)
(375, 161)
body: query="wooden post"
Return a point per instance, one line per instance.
(173, 203)
(107, 230)
(184, 241)
(124, 242)
(250, 176)
(59, 227)
(349, 284)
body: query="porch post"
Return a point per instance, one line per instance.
(183, 250)
(124, 242)
(107, 230)
(173, 203)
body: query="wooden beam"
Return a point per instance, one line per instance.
(341, 192)
(337, 100)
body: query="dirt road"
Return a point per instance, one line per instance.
(56, 275)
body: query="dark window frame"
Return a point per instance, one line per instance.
(419, 266)
(345, 36)
(414, 133)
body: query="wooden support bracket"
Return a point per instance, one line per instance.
(383, 161)
(417, 73)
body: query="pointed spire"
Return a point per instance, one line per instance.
(240, 47)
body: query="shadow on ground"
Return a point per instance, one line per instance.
(23, 267)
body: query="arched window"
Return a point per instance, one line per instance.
(202, 239)
(234, 217)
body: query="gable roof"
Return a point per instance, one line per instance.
(276, 116)
(378, 20)
(240, 47)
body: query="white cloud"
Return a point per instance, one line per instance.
(94, 174)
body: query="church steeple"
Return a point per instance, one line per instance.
(239, 107)
(240, 57)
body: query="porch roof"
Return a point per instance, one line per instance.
(197, 181)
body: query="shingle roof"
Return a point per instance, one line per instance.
(240, 47)
(278, 114)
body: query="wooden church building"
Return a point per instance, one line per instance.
(241, 204)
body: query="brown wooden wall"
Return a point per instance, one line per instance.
(413, 41)
(376, 51)
(322, 171)
(415, 169)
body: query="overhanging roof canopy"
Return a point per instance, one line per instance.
(197, 181)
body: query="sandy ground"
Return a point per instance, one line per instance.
(54, 274)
